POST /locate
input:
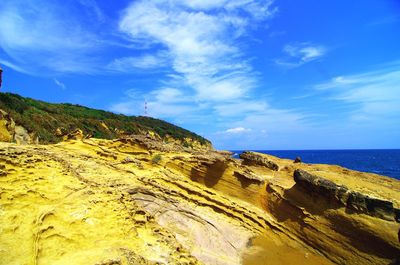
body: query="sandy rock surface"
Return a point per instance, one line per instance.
(133, 201)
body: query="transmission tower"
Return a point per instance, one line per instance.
(145, 108)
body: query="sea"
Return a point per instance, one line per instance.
(383, 162)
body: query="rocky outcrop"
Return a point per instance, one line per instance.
(22, 136)
(103, 209)
(341, 195)
(7, 127)
(77, 134)
(248, 174)
(331, 212)
(316, 186)
(11, 132)
(252, 158)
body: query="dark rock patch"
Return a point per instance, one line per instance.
(254, 159)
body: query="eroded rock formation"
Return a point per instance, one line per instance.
(252, 158)
(10, 132)
(91, 201)
(340, 195)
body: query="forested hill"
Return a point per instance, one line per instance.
(46, 120)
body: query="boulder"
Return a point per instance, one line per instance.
(75, 135)
(255, 159)
(297, 160)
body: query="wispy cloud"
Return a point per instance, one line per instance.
(298, 54)
(237, 130)
(158, 60)
(161, 103)
(41, 36)
(269, 127)
(373, 95)
(200, 37)
(13, 66)
(59, 84)
(241, 107)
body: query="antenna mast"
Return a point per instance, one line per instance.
(145, 108)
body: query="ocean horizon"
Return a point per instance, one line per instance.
(384, 162)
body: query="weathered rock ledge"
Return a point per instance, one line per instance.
(252, 158)
(341, 195)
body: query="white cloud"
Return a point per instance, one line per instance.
(202, 4)
(298, 54)
(155, 109)
(372, 95)
(209, 72)
(128, 108)
(41, 36)
(13, 66)
(170, 95)
(237, 130)
(269, 127)
(170, 110)
(59, 84)
(144, 62)
(162, 103)
(241, 107)
(200, 38)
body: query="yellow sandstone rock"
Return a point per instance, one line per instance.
(93, 201)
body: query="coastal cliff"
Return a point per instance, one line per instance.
(140, 200)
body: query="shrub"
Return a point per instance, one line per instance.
(156, 159)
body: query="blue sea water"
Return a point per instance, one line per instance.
(382, 162)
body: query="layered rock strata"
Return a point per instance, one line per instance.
(340, 195)
(141, 201)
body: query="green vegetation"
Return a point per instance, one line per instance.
(45, 118)
(156, 159)
(186, 144)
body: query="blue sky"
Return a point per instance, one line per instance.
(304, 74)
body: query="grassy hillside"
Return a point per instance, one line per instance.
(44, 118)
